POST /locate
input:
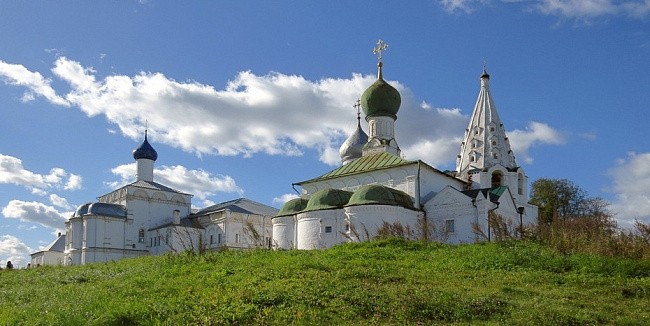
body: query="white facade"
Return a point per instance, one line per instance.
(450, 207)
(50, 255)
(145, 217)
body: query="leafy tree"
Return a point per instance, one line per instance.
(563, 199)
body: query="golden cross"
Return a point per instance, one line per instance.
(381, 46)
(357, 105)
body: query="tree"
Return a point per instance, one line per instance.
(563, 199)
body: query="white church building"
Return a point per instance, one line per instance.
(375, 188)
(146, 217)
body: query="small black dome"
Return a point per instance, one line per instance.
(145, 151)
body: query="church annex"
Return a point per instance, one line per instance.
(148, 218)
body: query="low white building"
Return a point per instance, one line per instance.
(52, 254)
(375, 190)
(146, 217)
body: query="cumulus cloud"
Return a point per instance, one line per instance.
(200, 183)
(14, 250)
(536, 133)
(13, 172)
(35, 212)
(631, 181)
(280, 200)
(36, 84)
(274, 114)
(59, 201)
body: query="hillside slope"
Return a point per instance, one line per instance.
(381, 282)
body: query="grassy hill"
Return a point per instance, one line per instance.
(380, 282)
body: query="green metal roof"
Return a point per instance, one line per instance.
(328, 199)
(364, 164)
(293, 207)
(380, 195)
(493, 194)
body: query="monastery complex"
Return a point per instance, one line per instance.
(374, 188)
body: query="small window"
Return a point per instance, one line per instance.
(476, 131)
(237, 238)
(449, 226)
(495, 156)
(472, 159)
(219, 238)
(494, 143)
(141, 236)
(491, 128)
(328, 229)
(347, 227)
(211, 238)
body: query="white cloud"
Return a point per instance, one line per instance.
(280, 200)
(74, 182)
(200, 183)
(581, 10)
(465, 6)
(639, 9)
(432, 135)
(577, 8)
(274, 114)
(536, 133)
(36, 84)
(13, 172)
(35, 212)
(14, 250)
(56, 200)
(631, 184)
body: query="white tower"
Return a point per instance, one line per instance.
(144, 156)
(380, 103)
(485, 156)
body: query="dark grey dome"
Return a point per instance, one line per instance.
(145, 151)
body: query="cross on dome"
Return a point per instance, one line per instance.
(357, 105)
(381, 46)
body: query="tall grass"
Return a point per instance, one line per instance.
(388, 281)
(598, 235)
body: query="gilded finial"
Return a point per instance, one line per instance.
(381, 46)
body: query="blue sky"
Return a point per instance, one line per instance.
(244, 98)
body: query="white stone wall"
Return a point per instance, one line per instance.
(103, 232)
(365, 220)
(308, 229)
(284, 228)
(43, 258)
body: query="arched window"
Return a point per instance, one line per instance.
(497, 176)
(520, 184)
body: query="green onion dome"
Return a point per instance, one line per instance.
(380, 195)
(328, 199)
(293, 207)
(381, 99)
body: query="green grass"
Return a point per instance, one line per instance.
(380, 282)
